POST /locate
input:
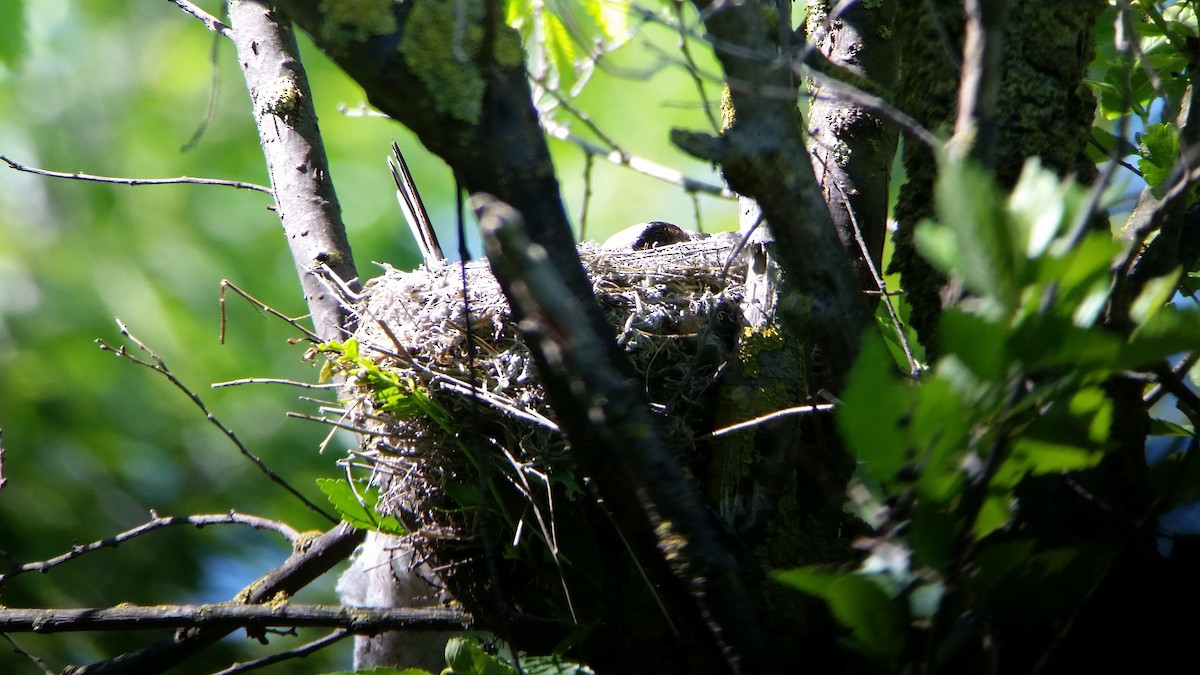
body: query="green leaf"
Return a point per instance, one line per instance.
(875, 407)
(978, 342)
(1169, 331)
(1158, 146)
(1161, 427)
(612, 18)
(465, 657)
(360, 514)
(12, 32)
(1110, 144)
(561, 49)
(985, 251)
(994, 514)
(878, 625)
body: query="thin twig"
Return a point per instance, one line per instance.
(135, 181)
(211, 22)
(298, 652)
(293, 322)
(642, 166)
(27, 654)
(157, 522)
(763, 419)
(914, 369)
(159, 366)
(272, 380)
(692, 69)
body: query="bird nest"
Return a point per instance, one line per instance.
(449, 400)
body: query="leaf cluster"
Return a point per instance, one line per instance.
(1020, 392)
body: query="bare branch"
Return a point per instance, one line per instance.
(230, 616)
(975, 125)
(27, 654)
(259, 304)
(778, 414)
(304, 565)
(298, 652)
(157, 522)
(642, 166)
(272, 380)
(211, 22)
(135, 181)
(159, 366)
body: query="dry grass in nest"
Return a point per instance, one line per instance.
(674, 310)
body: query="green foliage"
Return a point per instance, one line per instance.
(465, 656)
(393, 393)
(1158, 148)
(877, 625)
(12, 32)
(1129, 86)
(1018, 393)
(357, 505)
(565, 36)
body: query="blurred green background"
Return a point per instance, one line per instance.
(93, 443)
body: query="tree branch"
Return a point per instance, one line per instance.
(304, 565)
(231, 616)
(133, 181)
(852, 146)
(291, 142)
(231, 518)
(764, 157)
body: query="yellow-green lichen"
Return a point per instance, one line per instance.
(305, 540)
(280, 97)
(441, 43)
(347, 21)
(884, 31)
(754, 342)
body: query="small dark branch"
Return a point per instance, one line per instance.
(3, 480)
(305, 564)
(133, 181)
(975, 127)
(614, 437)
(211, 22)
(159, 366)
(231, 616)
(298, 652)
(643, 166)
(691, 68)
(41, 665)
(157, 522)
(291, 142)
(1178, 370)
(261, 306)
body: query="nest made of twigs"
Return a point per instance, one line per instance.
(675, 310)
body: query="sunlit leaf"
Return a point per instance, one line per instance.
(465, 657)
(877, 623)
(561, 49)
(1158, 147)
(874, 392)
(360, 514)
